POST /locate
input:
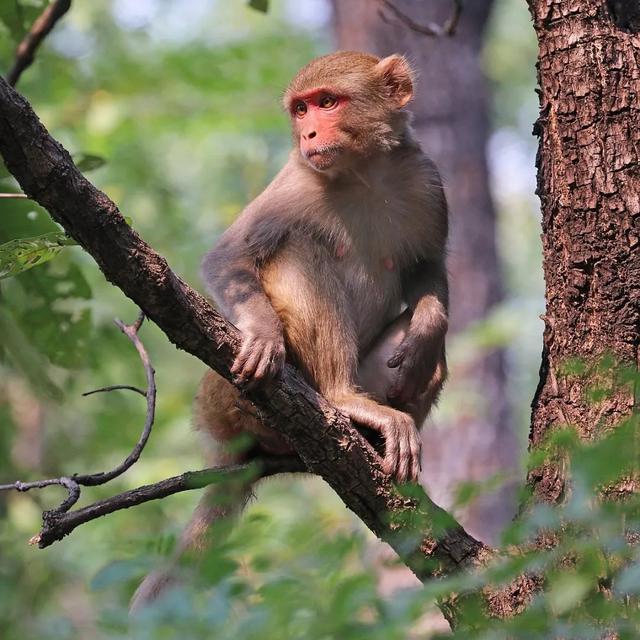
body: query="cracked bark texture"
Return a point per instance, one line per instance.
(451, 120)
(589, 187)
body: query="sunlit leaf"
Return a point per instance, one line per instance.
(22, 254)
(57, 319)
(88, 162)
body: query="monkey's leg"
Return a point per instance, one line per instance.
(222, 416)
(376, 377)
(320, 339)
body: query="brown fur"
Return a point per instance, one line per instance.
(319, 266)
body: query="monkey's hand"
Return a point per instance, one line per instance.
(261, 357)
(415, 360)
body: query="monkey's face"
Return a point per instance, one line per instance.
(316, 122)
(344, 106)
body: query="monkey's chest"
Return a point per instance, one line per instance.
(372, 289)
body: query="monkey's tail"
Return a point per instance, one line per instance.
(195, 539)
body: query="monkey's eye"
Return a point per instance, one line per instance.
(327, 102)
(300, 109)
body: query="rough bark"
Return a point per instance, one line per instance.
(429, 541)
(589, 187)
(451, 121)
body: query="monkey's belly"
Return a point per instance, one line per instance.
(374, 295)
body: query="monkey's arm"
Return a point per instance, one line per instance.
(231, 271)
(426, 292)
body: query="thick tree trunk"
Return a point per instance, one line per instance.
(451, 120)
(589, 186)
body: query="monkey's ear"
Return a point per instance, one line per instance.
(398, 75)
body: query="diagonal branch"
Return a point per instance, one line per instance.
(38, 32)
(427, 539)
(325, 439)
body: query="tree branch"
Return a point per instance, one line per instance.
(57, 524)
(32, 40)
(425, 537)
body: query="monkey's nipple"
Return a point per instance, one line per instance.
(388, 263)
(341, 250)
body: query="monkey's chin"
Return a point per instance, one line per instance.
(322, 160)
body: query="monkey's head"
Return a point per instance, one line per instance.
(345, 107)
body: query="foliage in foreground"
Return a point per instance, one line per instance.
(283, 576)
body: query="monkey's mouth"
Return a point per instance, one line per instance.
(322, 158)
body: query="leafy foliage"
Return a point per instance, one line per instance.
(22, 254)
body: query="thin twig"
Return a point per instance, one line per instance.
(56, 525)
(73, 484)
(431, 29)
(452, 24)
(72, 487)
(116, 387)
(38, 32)
(13, 195)
(131, 331)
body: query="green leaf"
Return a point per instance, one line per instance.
(88, 161)
(57, 318)
(259, 5)
(22, 254)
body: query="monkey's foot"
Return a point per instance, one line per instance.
(402, 442)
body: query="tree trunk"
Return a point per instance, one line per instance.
(451, 120)
(589, 186)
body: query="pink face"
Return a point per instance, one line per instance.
(315, 118)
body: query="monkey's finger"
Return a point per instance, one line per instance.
(250, 364)
(265, 370)
(245, 352)
(404, 458)
(261, 373)
(396, 359)
(391, 449)
(416, 447)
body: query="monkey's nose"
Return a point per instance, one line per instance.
(309, 136)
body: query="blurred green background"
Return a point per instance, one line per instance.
(182, 101)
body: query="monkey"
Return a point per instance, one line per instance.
(337, 267)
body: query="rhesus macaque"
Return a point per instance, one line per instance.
(337, 267)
